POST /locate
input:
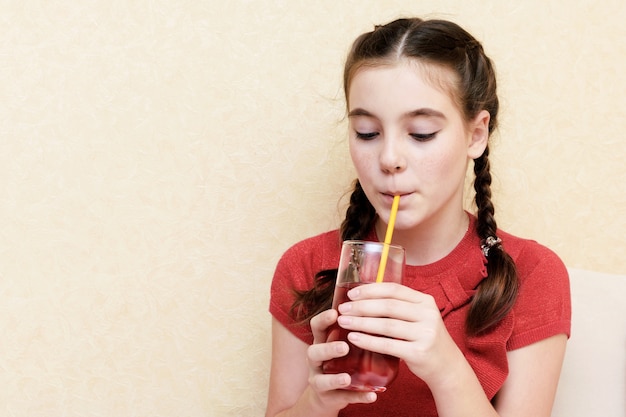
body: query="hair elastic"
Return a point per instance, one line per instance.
(490, 242)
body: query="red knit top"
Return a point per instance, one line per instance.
(542, 309)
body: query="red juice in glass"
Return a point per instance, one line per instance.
(369, 371)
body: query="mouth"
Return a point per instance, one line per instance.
(392, 194)
(389, 195)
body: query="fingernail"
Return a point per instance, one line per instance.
(344, 320)
(345, 307)
(353, 337)
(354, 293)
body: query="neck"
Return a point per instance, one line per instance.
(432, 239)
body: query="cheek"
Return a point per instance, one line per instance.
(453, 165)
(446, 164)
(361, 159)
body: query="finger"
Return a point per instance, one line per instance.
(320, 324)
(387, 327)
(335, 389)
(387, 307)
(387, 290)
(380, 344)
(320, 352)
(329, 382)
(361, 397)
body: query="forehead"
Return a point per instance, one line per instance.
(411, 81)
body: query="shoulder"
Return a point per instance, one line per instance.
(296, 271)
(543, 306)
(309, 256)
(315, 248)
(532, 258)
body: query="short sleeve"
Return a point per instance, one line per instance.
(543, 307)
(288, 276)
(296, 271)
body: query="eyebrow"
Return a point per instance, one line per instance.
(428, 112)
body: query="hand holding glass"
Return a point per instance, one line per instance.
(358, 265)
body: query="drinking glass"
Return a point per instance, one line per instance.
(358, 265)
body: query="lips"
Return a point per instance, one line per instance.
(393, 194)
(388, 196)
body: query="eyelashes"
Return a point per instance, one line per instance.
(420, 137)
(366, 135)
(423, 137)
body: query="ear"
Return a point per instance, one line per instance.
(478, 134)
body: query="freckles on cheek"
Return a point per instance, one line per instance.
(365, 170)
(450, 167)
(362, 161)
(438, 169)
(446, 158)
(432, 165)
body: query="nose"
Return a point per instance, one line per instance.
(392, 155)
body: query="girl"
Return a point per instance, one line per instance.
(482, 320)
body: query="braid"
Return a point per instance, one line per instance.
(360, 218)
(482, 185)
(360, 215)
(497, 293)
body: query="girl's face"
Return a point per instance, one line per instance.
(408, 137)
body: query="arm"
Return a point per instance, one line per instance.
(529, 389)
(534, 373)
(297, 385)
(288, 378)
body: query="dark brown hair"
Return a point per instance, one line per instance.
(441, 43)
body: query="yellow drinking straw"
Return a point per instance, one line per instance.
(385, 254)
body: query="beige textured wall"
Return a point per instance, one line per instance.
(157, 157)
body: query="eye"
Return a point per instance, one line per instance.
(366, 135)
(423, 137)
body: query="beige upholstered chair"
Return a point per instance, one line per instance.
(593, 380)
